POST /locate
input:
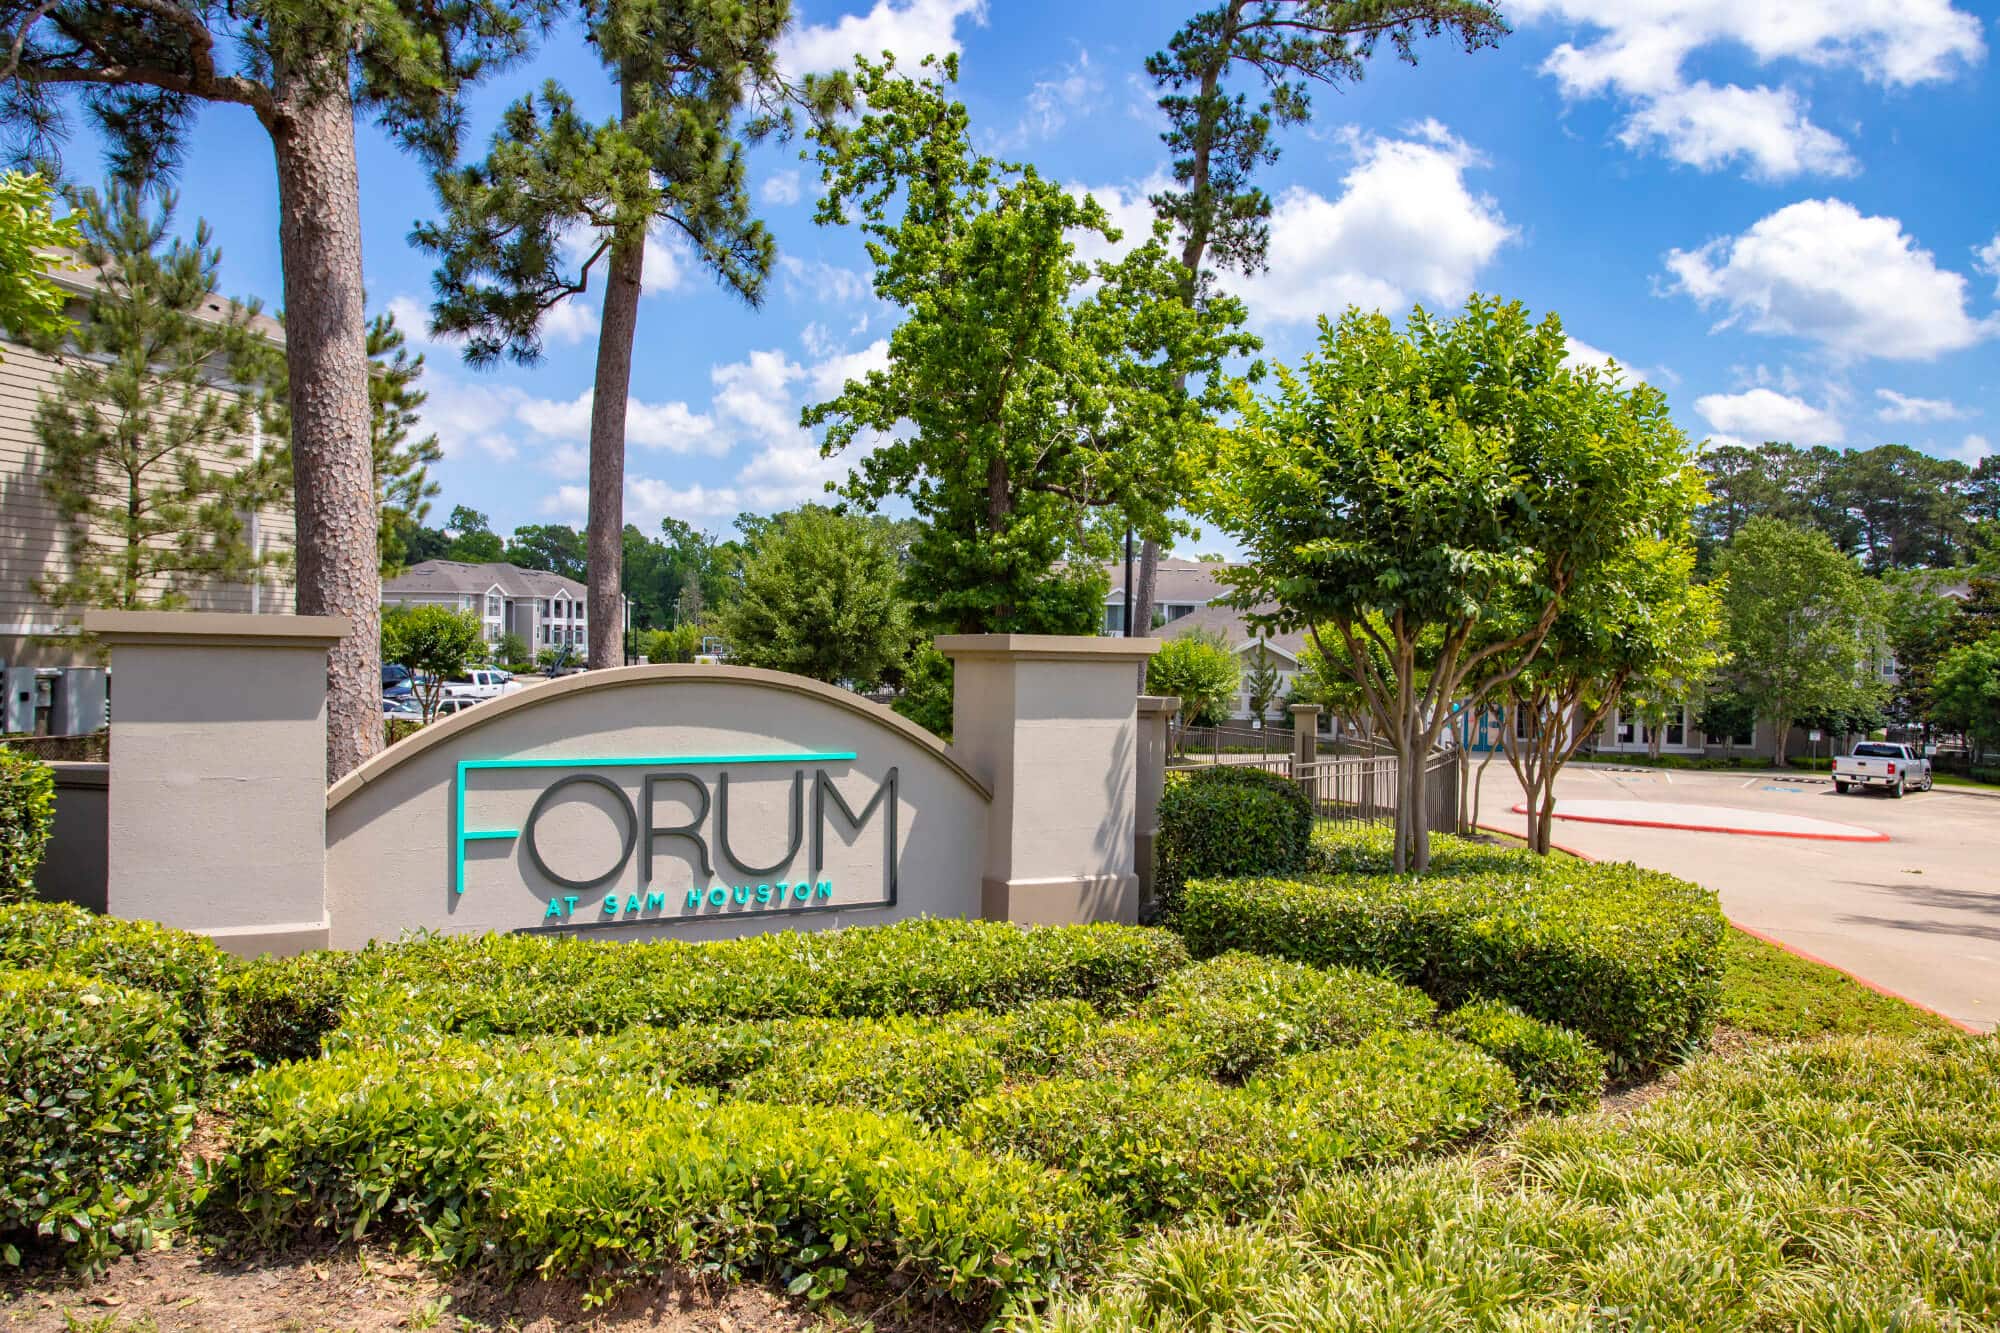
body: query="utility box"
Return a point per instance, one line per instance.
(17, 714)
(78, 702)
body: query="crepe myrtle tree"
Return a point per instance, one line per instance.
(1031, 402)
(31, 306)
(144, 71)
(1398, 488)
(1638, 622)
(435, 643)
(1233, 73)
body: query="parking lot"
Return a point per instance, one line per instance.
(1918, 914)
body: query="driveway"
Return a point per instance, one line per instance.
(1918, 914)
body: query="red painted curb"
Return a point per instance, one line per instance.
(1780, 945)
(1715, 828)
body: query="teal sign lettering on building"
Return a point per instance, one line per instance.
(726, 883)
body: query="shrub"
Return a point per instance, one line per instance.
(1554, 1066)
(27, 812)
(529, 984)
(282, 1008)
(570, 1158)
(180, 967)
(1167, 1146)
(1629, 958)
(1233, 1015)
(1229, 820)
(94, 1088)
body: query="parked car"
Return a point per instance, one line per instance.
(403, 705)
(455, 703)
(1889, 765)
(395, 682)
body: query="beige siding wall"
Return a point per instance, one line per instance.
(32, 543)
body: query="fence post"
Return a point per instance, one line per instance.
(1305, 751)
(1156, 714)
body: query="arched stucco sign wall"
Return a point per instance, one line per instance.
(696, 801)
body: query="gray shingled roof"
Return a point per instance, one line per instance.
(459, 577)
(1235, 630)
(1179, 581)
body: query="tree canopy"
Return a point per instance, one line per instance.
(1025, 390)
(820, 597)
(1201, 672)
(31, 306)
(1398, 488)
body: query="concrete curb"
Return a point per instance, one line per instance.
(1779, 944)
(1716, 828)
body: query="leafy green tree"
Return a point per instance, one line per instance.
(1200, 670)
(676, 643)
(1968, 692)
(435, 643)
(1219, 137)
(151, 464)
(1398, 488)
(511, 650)
(1017, 403)
(1804, 625)
(1638, 626)
(1918, 618)
(926, 696)
(687, 75)
(555, 547)
(31, 306)
(820, 598)
(473, 539)
(144, 70)
(1727, 713)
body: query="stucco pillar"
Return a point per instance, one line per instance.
(216, 817)
(1156, 714)
(1050, 723)
(1305, 749)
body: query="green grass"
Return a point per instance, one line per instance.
(1776, 994)
(1959, 780)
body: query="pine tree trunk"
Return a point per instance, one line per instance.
(333, 466)
(605, 547)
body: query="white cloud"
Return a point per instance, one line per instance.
(648, 500)
(1820, 270)
(1986, 258)
(756, 393)
(1904, 408)
(910, 28)
(1583, 354)
(1970, 450)
(817, 280)
(1404, 227)
(672, 426)
(1757, 415)
(567, 502)
(1708, 127)
(471, 417)
(570, 320)
(1052, 102)
(663, 266)
(413, 317)
(1640, 49)
(782, 188)
(831, 373)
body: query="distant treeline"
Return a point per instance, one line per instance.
(1891, 506)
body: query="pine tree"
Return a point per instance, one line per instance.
(1219, 137)
(693, 79)
(143, 70)
(153, 466)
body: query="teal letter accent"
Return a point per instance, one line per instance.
(611, 903)
(742, 895)
(657, 902)
(763, 893)
(694, 897)
(555, 910)
(825, 889)
(802, 890)
(569, 904)
(718, 897)
(632, 903)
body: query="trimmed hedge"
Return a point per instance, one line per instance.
(94, 1086)
(1228, 1017)
(282, 1008)
(27, 813)
(1168, 1146)
(572, 1158)
(180, 967)
(1629, 958)
(1228, 819)
(1555, 1067)
(523, 984)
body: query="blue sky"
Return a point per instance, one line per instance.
(1783, 212)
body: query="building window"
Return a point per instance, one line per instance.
(1114, 618)
(1627, 730)
(1677, 729)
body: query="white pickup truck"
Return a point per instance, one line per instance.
(481, 683)
(1886, 764)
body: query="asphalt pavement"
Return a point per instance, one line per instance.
(1918, 914)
